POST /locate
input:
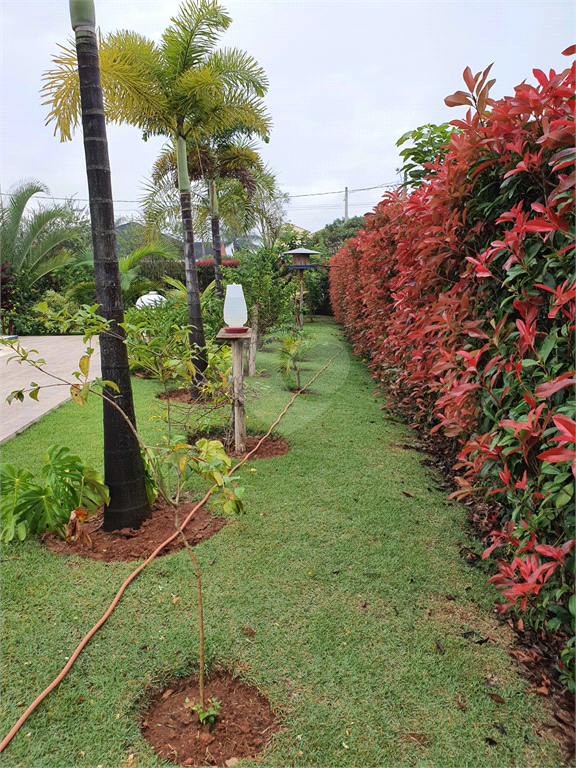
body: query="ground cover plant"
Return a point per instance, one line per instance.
(461, 295)
(341, 593)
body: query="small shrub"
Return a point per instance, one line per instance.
(30, 506)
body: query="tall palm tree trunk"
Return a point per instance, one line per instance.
(196, 336)
(123, 466)
(216, 241)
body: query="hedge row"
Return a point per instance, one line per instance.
(461, 294)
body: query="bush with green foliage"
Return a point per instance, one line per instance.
(56, 303)
(263, 279)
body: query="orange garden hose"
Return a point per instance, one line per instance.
(22, 719)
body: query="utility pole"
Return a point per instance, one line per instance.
(345, 203)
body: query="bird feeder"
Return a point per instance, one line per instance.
(300, 262)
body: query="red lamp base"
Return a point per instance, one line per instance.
(235, 330)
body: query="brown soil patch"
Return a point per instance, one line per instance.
(130, 544)
(177, 396)
(242, 729)
(271, 447)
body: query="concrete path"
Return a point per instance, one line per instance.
(61, 354)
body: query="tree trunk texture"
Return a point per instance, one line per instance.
(123, 465)
(196, 335)
(216, 241)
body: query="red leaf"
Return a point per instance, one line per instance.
(550, 387)
(570, 51)
(458, 99)
(557, 454)
(469, 78)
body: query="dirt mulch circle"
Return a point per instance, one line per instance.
(130, 544)
(177, 396)
(242, 729)
(271, 447)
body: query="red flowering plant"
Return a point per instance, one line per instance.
(461, 294)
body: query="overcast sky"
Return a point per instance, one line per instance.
(347, 79)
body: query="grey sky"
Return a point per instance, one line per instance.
(347, 79)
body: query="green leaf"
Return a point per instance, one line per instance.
(84, 364)
(548, 345)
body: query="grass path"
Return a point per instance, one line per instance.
(342, 576)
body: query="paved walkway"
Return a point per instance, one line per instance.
(61, 354)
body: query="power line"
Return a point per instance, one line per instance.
(139, 202)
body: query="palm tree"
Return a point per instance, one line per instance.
(181, 88)
(30, 242)
(132, 282)
(227, 155)
(123, 465)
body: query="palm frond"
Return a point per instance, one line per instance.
(38, 241)
(11, 216)
(193, 34)
(62, 92)
(49, 265)
(239, 72)
(130, 72)
(130, 262)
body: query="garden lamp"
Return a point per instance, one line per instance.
(235, 310)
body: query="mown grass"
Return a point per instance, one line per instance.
(342, 577)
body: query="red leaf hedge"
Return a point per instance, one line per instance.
(461, 295)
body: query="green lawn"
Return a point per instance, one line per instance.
(342, 576)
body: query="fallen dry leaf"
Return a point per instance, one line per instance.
(439, 646)
(167, 693)
(231, 762)
(543, 691)
(408, 495)
(496, 698)
(520, 625)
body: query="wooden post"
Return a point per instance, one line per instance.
(301, 316)
(253, 342)
(238, 413)
(238, 395)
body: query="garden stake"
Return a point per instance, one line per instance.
(22, 719)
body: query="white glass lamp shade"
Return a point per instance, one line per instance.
(150, 299)
(235, 311)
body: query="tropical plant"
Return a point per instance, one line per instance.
(182, 89)
(33, 242)
(226, 155)
(293, 350)
(30, 506)
(132, 282)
